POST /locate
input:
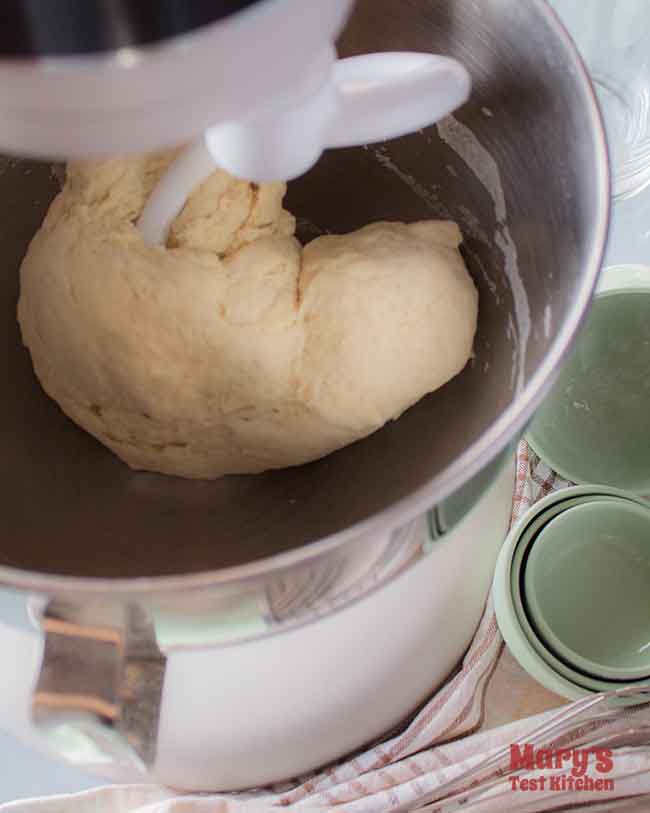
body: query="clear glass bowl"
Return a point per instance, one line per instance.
(613, 37)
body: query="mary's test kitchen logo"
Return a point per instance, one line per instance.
(561, 769)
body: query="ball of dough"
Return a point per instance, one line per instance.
(232, 349)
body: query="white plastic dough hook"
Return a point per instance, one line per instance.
(366, 99)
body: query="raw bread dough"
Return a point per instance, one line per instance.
(233, 350)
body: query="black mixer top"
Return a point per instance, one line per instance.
(30, 28)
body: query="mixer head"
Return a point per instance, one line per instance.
(256, 82)
(82, 78)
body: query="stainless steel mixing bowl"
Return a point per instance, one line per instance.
(71, 508)
(522, 167)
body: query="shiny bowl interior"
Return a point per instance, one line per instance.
(523, 169)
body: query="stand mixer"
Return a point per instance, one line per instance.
(270, 117)
(134, 568)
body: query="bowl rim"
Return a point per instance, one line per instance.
(510, 628)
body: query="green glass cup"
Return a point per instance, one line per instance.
(594, 426)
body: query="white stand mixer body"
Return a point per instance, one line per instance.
(250, 714)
